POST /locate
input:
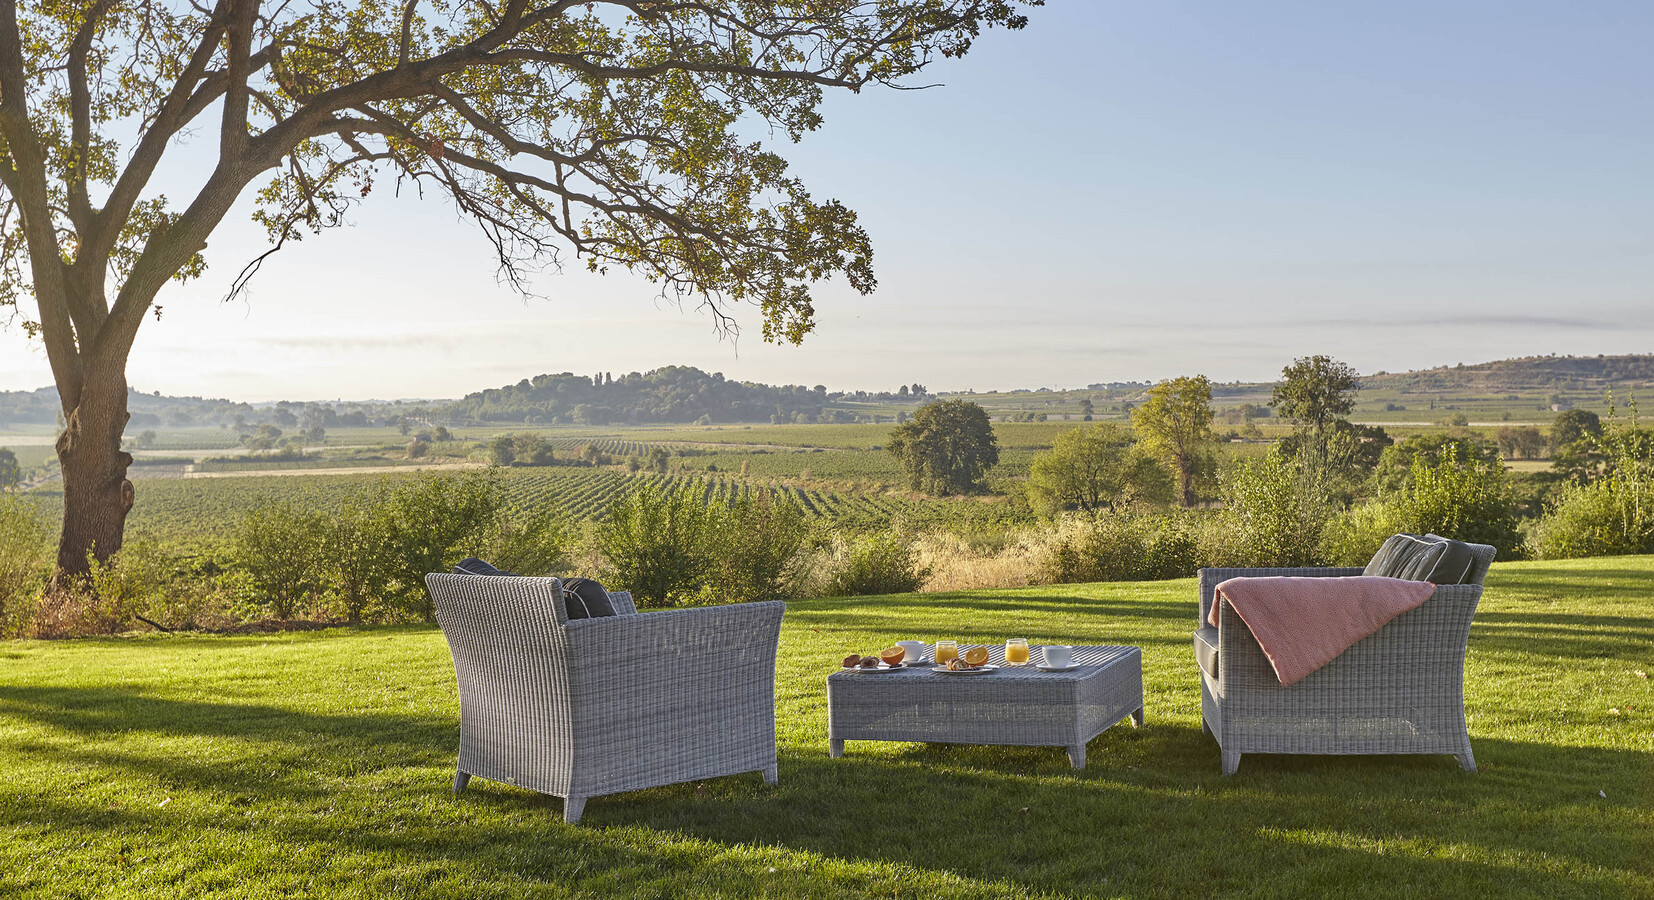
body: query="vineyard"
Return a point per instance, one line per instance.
(198, 509)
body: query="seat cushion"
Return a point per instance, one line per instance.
(1406, 556)
(1206, 649)
(1456, 563)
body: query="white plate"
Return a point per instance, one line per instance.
(881, 667)
(1068, 668)
(979, 670)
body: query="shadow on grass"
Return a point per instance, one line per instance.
(1151, 814)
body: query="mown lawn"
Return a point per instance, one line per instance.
(318, 764)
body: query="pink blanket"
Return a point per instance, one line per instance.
(1303, 623)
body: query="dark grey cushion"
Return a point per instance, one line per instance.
(588, 596)
(1456, 563)
(1206, 649)
(473, 566)
(1406, 556)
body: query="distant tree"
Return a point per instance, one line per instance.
(1087, 409)
(1314, 392)
(265, 438)
(441, 433)
(1095, 468)
(902, 392)
(1572, 425)
(1524, 442)
(502, 450)
(659, 458)
(946, 448)
(284, 418)
(145, 440)
(316, 435)
(11, 474)
(1395, 467)
(1175, 425)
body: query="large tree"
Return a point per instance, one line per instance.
(606, 127)
(947, 447)
(1093, 468)
(1175, 424)
(1314, 392)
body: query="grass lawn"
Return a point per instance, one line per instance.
(319, 763)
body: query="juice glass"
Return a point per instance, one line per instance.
(1016, 652)
(946, 651)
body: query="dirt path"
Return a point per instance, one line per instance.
(348, 470)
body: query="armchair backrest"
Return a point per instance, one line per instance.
(1484, 559)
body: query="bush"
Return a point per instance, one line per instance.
(657, 545)
(25, 564)
(279, 547)
(1609, 517)
(1352, 537)
(1274, 515)
(1462, 497)
(427, 524)
(759, 547)
(1118, 547)
(876, 563)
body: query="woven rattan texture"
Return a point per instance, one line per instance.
(598, 706)
(1400, 690)
(1014, 705)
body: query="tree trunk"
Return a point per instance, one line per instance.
(96, 493)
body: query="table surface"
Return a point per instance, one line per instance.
(1090, 661)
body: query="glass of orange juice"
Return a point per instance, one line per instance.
(946, 651)
(1016, 652)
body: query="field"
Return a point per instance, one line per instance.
(318, 764)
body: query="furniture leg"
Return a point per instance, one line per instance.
(1076, 755)
(1231, 761)
(1137, 718)
(1205, 727)
(771, 776)
(461, 779)
(573, 807)
(1467, 760)
(835, 748)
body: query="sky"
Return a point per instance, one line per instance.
(1124, 191)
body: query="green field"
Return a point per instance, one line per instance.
(318, 764)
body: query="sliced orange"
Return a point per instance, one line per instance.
(976, 656)
(892, 655)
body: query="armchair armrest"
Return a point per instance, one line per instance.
(1211, 578)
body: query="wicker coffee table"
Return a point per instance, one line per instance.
(1018, 705)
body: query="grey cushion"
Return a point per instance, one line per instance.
(1456, 563)
(1406, 556)
(1206, 649)
(588, 596)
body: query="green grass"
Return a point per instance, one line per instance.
(318, 764)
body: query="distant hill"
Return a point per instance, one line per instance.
(684, 394)
(1571, 373)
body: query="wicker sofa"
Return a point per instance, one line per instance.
(588, 707)
(1400, 690)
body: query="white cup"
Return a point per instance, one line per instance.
(915, 650)
(1058, 656)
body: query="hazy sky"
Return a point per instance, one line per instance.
(1123, 191)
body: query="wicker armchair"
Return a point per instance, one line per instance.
(1400, 690)
(582, 708)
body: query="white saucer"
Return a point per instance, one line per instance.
(1068, 668)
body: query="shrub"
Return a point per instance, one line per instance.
(1118, 547)
(1274, 514)
(656, 545)
(759, 546)
(25, 563)
(1610, 517)
(279, 547)
(875, 563)
(1463, 497)
(428, 523)
(1352, 537)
